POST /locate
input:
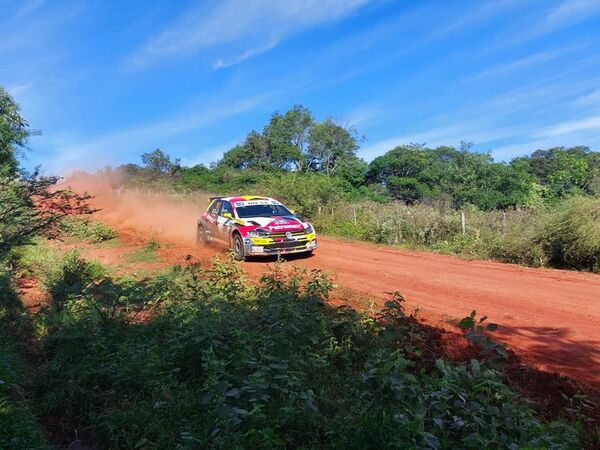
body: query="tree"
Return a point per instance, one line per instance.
(407, 189)
(32, 205)
(330, 144)
(402, 161)
(237, 158)
(563, 171)
(14, 134)
(288, 136)
(160, 163)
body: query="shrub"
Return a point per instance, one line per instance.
(70, 276)
(224, 363)
(83, 228)
(18, 426)
(306, 193)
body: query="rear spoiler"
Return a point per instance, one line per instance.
(214, 198)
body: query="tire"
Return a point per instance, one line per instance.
(237, 246)
(201, 238)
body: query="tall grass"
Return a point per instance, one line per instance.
(565, 235)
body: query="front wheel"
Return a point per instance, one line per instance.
(239, 252)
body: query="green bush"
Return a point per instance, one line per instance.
(222, 363)
(83, 228)
(69, 276)
(305, 193)
(19, 428)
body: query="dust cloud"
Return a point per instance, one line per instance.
(161, 214)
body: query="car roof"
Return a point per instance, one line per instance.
(242, 198)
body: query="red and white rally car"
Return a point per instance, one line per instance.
(253, 226)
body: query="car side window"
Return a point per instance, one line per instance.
(226, 208)
(214, 208)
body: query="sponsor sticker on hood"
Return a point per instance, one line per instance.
(285, 224)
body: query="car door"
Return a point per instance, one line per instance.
(212, 218)
(225, 220)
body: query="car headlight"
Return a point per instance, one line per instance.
(259, 233)
(309, 229)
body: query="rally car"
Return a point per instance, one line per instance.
(255, 226)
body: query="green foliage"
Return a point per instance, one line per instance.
(294, 140)
(69, 276)
(21, 218)
(494, 354)
(85, 229)
(415, 173)
(146, 254)
(19, 428)
(14, 134)
(159, 162)
(564, 171)
(305, 193)
(221, 363)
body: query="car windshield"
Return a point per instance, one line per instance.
(262, 211)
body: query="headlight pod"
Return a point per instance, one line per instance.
(309, 229)
(259, 233)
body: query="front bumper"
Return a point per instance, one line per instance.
(280, 245)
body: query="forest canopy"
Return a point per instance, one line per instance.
(295, 146)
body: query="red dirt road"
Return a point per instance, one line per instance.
(550, 318)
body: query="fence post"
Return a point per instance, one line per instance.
(503, 222)
(354, 212)
(463, 225)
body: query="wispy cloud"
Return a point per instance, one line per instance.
(70, 152)
(250, 53)
(28, 7)
(589, 99)
(250, 27)
(570, 12)
(567, 13)
(526, 62)
(365, 115)
(574, 126)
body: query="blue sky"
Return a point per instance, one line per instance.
(108, 80)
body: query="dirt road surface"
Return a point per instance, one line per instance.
(550, 318)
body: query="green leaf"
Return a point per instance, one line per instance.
(466, 323)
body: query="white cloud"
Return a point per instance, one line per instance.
(590, 99)
(525, 62)
(242, 24)
(566, 14)
(28, 7)
(570, 12)
(77, 153)
(250, 53)
(365, 115)
(575, 126)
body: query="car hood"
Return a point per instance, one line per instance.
(277, 224)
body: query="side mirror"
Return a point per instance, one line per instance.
(227, 215)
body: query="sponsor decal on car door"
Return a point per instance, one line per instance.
(224, 224)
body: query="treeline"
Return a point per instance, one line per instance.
(294, 146)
